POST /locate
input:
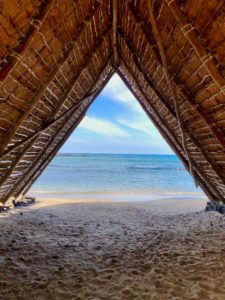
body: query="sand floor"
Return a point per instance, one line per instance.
(167, 249)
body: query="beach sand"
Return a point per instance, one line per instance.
(65, 249)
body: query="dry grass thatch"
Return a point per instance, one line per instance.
(57, 55)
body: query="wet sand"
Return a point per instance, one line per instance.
(164, 249)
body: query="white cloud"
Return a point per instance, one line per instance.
(145, 126)
(115, 134)
(134, 117)
(104, 127)
(118, 92)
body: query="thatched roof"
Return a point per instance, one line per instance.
(56, 56)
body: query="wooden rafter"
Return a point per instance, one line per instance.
(33, 177)
(32, 139)
(23, 178)
(48, 72)
(52, 75)
(182, 91)
(169, 140)
(52, 121)
(213, 165)
(65, 95)
(27, 184)
(44, 10)
(95, 93)
(171, 111)
(114, 4)
(190, 33)
(212, 16)
(98, 43)
(172, 143)
(173, 89)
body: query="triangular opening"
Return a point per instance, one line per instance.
(115, 148)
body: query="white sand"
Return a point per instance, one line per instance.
(167, 249)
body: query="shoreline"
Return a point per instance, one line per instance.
(194, 202)
(161, 206)
(115, 196)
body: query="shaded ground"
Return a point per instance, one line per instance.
(113, 251)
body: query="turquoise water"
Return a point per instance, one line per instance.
(74, 174)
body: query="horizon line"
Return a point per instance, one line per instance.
(72, 153)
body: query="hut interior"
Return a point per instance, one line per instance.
(56, 56)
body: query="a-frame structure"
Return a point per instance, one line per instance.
(57, 55)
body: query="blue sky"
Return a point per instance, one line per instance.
(116, 123)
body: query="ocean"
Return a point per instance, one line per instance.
(115, 176)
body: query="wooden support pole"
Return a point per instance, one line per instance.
(219, 172)
(218, 193)
(35, 137)
(219, 8)
(29, 171)
(191, 34)
(66, 94)
(44, 10)
(175, 146)
(172, 87)
(114, 4)
(167, 138)
(23, 178)
(201, 112)
(98, 43)
(29, 177)
(31, 180)
(46, 162)
(51, 76)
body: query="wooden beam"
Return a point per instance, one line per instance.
(23, 190)
(219, 172)
(86, 62)
(167, 138)
(174, 92)
(71, 111)
(23, 178)
(35, 137)
(98, 43)
(114, 4)
(188, 97)
(141, 69)
(30, 180)
(51, 76)
(205, 187)
(191, 34)
(212, 17)
(44, 9)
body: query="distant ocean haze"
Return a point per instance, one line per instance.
(71, 175)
